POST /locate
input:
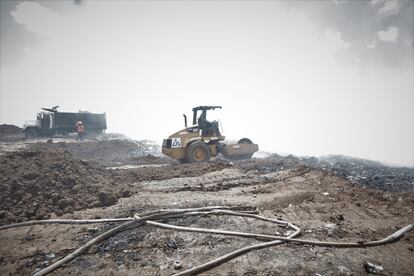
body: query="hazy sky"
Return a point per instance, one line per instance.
(308, 78)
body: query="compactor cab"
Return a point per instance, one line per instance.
(203, 140)
(207, 128)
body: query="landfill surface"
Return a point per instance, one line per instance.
(334, 198)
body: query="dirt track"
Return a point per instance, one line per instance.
(325, 206)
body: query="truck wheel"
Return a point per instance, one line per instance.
(198, 152)
(30, 133)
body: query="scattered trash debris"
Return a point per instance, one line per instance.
(93, 230)
(344, 270)
(373, 268)
(50, 256)
(331, 228)
(366, 173)
(178, 265)
(288, 233)
(172, 243)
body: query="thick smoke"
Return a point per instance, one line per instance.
(378, 32)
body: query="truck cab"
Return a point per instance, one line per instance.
(43, 123)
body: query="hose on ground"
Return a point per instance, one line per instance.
(151, 218)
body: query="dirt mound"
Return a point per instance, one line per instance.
(272, 163)
(9, 133)
(38, 182)
(166, 172)
(9, 129)
(110, 152)
(35, 183)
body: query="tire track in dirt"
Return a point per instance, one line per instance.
(311, 199)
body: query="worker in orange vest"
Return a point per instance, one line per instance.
(80, 129)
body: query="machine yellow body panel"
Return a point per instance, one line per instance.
(181, 139)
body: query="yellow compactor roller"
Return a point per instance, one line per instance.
(203, 140)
